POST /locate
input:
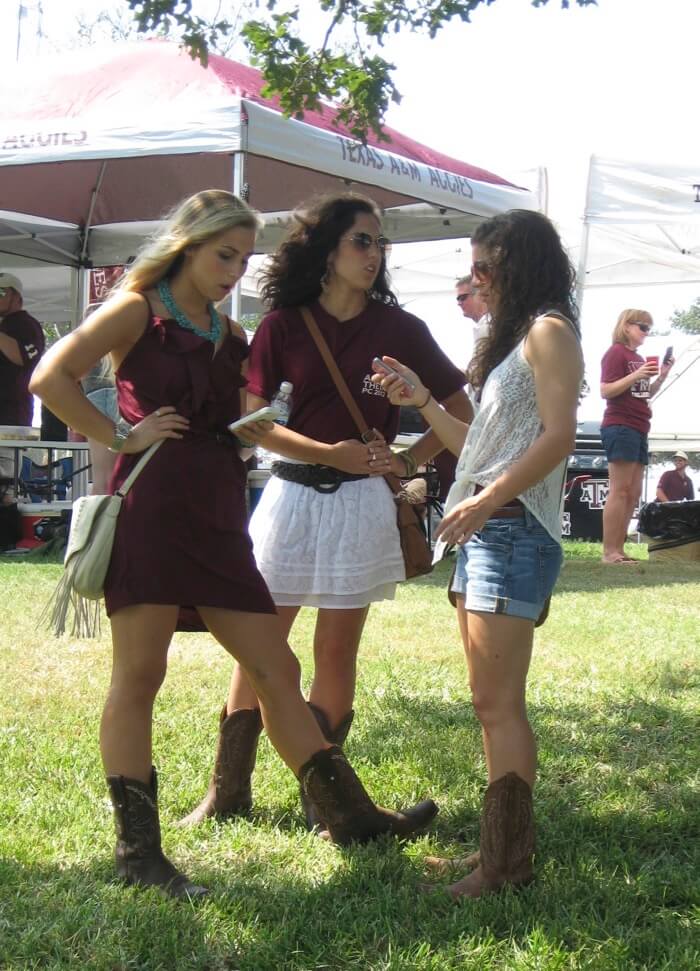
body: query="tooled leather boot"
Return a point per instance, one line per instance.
(507, 843)
(350, 815)
(229, 792)
(337, 736)
(138, 854)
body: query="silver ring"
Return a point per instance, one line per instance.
(157, 412)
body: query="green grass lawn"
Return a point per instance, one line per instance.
(614, 694)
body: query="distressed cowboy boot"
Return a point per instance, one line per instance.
(337, 736)
(330, 783)
(229, 792)
(138, 854)
(507, 843)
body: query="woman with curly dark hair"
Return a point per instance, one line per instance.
(324, 530)
(504, 510)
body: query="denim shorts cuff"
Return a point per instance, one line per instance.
(489, 604)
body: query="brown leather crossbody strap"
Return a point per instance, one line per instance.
(366, 433)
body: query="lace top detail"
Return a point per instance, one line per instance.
(504, 427)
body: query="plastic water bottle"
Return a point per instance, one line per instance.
(282, 401)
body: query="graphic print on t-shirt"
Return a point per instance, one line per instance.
(369, 387)
(640, 389)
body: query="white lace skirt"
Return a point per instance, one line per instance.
(337, 550)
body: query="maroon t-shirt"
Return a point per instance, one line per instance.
(283, 350)
(16, 403)
(631, 407)
(676, 486)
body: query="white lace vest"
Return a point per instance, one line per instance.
(504, 427)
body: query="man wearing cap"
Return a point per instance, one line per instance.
(676, 485)
(21, 346)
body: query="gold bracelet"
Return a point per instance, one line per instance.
(425, 403)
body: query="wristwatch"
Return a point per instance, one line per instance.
(119, 440)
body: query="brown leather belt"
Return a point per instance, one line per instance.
(512, 510)
(508, 512)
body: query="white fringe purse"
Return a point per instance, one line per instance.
(89, 550)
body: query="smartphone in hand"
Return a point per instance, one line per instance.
(668, 355)
(387, 369)
(268, 413)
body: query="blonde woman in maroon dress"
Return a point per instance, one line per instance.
(182, 555)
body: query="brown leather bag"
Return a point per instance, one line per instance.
(417, 556)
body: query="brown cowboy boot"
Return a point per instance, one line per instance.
(337, 736)
(229, 792)
(331, 784)
(507, 843)
(138, 854)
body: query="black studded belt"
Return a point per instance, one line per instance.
(322, 478)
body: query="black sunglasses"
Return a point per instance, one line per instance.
(364, 242)
(645, 328)
(481, 268)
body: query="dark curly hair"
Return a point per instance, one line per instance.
(293, 274)
(530, 273)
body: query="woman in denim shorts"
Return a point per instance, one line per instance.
(504, 509)
(627, 383)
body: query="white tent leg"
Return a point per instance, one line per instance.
(240, 191)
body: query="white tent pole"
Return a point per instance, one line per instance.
(241, 190)
(91, 210)
(583, 254)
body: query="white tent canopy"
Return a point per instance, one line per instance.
(641, 229)
(641, 224)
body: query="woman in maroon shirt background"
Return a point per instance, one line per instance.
(626, 386)
(324, 530)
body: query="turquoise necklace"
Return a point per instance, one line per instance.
(213, 335)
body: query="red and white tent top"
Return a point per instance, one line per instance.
(111, 139)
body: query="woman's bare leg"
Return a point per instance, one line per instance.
(241, 693)
(141, 636)
(336, 643)
(498, 651)
(625, 481)
(257, 643)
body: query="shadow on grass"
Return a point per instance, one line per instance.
(612, 889)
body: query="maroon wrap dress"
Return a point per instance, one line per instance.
(182, 534)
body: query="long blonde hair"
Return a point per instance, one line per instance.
(193, 221)
(627, 317)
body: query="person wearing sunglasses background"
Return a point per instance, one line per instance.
(21, 346)
(627, 383)
(324, 530)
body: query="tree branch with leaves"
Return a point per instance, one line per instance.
(355, 77)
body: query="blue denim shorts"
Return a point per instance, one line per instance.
(105, 400)
(624, 444)
(508, 567)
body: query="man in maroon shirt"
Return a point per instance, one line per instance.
(674, 486)
(21, 346)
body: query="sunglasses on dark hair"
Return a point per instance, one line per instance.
(645, 328)
(481, 268)
(461, 297)
(364, 242)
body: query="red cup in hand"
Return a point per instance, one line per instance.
(654, 359)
